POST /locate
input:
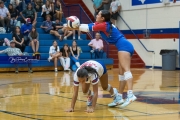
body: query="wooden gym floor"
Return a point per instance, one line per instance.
(45, 96)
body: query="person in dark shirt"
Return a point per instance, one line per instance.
(18, 38)
(64, 59)
(30, 12)
(57, 25)
(14, 14)
(48, 27)
(106, 4)
(38, 5)
(58, 10)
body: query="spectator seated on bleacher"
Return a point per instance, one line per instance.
(54, 54)
(18, 38)
(64, 59)
(25, 30)
(48, 27)
(22, 6)
(47, 10)
(38, 5)
(34, 39)
(57, 25)
(30, 12)
(15, 4)
(58, 10)
(97, 46)
(4, 16)
(75, 53)
(14, 15)
(13, 51)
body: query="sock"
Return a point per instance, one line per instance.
(55, 68)
(74, 37)
(121, 77)
(130, 92)
(79, 37)
(90, 93)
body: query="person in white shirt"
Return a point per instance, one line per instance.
(91, 72)
(47, 10)
(5, 16)
(114, 9)
(54, 54)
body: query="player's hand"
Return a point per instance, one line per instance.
(70, 110)
(89, 110)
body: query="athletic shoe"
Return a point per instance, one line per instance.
(130, 98)
(16, 71)
(89, 100)
(49, 59)
(65, 38)
(30, 71)
(117, 101)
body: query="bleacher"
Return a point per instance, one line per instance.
(46, 41)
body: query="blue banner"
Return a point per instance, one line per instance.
(17, 60)
(145, 2)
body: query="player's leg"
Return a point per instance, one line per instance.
(104, 84)
(121, 80)
(125, 60)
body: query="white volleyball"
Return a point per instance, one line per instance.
(73, 22)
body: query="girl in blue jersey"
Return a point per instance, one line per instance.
(125, 50)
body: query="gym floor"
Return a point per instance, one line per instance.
(46, 95)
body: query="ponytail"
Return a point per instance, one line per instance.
(107, 18)
(83, 72)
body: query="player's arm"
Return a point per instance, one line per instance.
(75, 95)
(89, 27)
(95, 96)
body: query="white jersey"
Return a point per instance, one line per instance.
(92, 78)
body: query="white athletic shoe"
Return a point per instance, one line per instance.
(117, 99)
(49, 59)
(89, 100)
(130, 98)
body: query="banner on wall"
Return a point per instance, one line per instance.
(145, 2)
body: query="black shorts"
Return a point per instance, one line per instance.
(114, 16)
(60, 32)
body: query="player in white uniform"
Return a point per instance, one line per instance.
(91, 72)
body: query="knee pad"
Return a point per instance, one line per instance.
(109, 88)
(121, 77)
(127, 75)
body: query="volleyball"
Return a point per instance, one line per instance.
(73, 22)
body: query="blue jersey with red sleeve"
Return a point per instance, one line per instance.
(104, 29)
(113, 36)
